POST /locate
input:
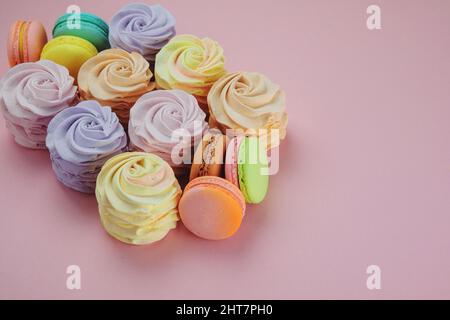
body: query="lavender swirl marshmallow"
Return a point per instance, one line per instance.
(30, 95)
(142, 28)
(167, 123)
(80, 140)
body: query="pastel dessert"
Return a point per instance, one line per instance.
(90, 28)
(137, 195)
(246, 166)
(70, 52)
(209, 156)
(25, 42)
(248, 102)
(80, 140)
(117, 79)
(190, 64)
(212, 208)
(142, 28)
(168, 123)
(31, 94)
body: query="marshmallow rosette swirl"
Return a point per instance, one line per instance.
(115, 78)
(190, 64)
(249, 102)
(137, 195)
(167, 123)
(30, 95)
(142, 28)
(80, 140)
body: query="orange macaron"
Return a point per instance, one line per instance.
(25, 42)
(212, 208)
(209, 156)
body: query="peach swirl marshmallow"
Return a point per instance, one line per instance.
(137, 195)
(117, 79)
(248, 102)
(190, 64)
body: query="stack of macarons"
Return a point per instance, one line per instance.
(126, 109)
(76, 39)
(242, 160)
(227, 172)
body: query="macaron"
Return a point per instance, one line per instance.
(209, 155)
(246, 166)
(25, 42)
(90, 28)
(69, 51)
(212, 208)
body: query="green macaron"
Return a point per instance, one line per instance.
(253, 170)
(90, 28)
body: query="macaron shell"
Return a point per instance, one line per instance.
(92, 29)
(70, 52)
(252, 171)
(36, 40)
(211, 210)
(84, 17)
(13, 43)
(222, 183)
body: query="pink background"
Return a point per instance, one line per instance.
(364, 179)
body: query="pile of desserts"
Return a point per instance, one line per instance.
(129, 109)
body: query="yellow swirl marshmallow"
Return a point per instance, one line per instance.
(137, 195)
(250, 102)
(190, 64)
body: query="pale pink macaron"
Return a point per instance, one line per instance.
(231, 160)
(25, 42)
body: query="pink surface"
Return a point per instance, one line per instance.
(364, 175)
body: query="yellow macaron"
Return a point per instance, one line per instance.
(69, 51)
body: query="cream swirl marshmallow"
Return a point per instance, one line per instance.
(117, 79)
(80, 140)
(168, 123)
(137, 195)
(142, 28)
(248, 101)
(30, 95)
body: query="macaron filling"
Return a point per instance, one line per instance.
(231, 166)
(22, 32)
(208, 156)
